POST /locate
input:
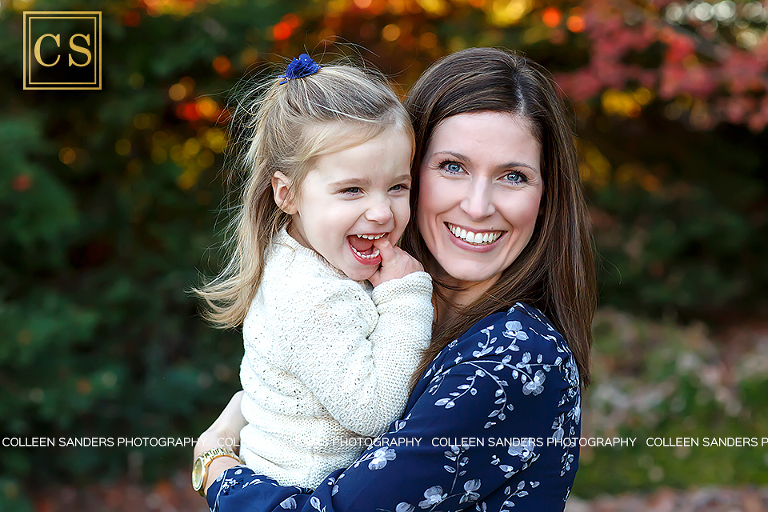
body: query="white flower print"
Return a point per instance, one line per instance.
(380, 458)
(523, 449)
(433, 495)
(404, 507)
(470, 486)
(515, 331)
(566, 459)
(557, 427)
(535, 385)
(288, 503)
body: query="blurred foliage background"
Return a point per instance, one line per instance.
(110, 210)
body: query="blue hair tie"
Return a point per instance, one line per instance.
(299, 68)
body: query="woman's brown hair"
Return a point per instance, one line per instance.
(555, 272)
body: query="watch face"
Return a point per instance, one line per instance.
(197, 474)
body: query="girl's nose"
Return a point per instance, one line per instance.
(379, 211)
(478, 203)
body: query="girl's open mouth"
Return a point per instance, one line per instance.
(363, 249)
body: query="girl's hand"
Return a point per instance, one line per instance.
(395, 263)
(225, 431)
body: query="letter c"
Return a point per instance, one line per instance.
(37, 49)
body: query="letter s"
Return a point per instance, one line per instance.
(80, 49)
(37, 49)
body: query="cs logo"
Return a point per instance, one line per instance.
(62, 50)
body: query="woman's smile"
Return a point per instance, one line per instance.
(478, 239)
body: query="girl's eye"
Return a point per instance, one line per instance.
(516, 177)
(451, 167)
(399, 187)
(351, 190)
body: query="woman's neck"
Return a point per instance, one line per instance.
(460, 295)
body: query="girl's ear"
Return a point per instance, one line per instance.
(282, 193)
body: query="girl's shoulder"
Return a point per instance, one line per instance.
(291, 267)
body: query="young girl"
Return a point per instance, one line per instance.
(328, 357)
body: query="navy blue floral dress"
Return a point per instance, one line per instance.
(487, 428)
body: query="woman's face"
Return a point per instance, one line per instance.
(480, 189)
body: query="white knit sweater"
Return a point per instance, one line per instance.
(327, 360)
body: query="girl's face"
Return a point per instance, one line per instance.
(350, 198)
(479, 195)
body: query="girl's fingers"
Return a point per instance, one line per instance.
(386, 250)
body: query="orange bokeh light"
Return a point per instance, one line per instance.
(221, 64)
(575, 24)
(281, 31)
(552, 17)
(132, 19)
(188, 111)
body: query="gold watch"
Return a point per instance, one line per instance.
(200, 467)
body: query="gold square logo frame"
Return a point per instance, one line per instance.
(32, 50)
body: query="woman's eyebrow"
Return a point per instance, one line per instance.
(510, 165)
(458, 156)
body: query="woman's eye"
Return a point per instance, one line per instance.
(516, 177)
(451, 167)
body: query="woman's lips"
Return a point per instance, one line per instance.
(481, 241)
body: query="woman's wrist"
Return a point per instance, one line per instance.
(217, 467)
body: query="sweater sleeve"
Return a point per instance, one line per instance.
(355, 359)
(491, 426)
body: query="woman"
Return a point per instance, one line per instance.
(500, 222)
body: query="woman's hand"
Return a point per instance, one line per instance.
(395, 263)
(223, 433)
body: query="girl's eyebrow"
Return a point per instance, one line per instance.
(506, 165)
(350, 182)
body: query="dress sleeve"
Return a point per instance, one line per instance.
(491, 428)
(356, 361)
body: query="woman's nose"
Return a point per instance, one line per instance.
(478, 203)
(379, 211)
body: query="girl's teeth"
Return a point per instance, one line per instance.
(365, 256)
(371, 237)
(475, 238)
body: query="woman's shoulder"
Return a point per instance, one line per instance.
(521, 335)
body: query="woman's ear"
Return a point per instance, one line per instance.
(281, 189)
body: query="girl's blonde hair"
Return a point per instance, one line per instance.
(287, 128)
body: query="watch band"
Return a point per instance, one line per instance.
(203, 461)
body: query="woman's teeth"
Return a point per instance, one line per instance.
(485, 238)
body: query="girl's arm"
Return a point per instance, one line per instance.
(485, 428)
(356, 357)
(355, 353)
